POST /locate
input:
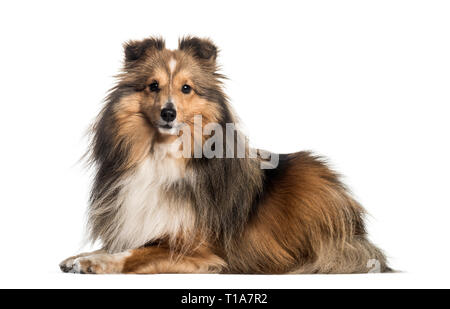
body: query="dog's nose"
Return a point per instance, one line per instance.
(168, 114)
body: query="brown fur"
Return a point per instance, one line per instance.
(307, 223)
(153, 260)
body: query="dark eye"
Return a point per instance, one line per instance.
(186, 89)
(154, 86)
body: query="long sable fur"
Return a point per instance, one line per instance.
(304, 228)
(222, 194)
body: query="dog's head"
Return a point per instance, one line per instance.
(158, 92)
(174, 85)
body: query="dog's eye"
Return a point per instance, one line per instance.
(186, 89)
(154, 87)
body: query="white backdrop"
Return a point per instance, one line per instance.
(365, 83)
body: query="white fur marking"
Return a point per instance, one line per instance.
(101, 260)
(76, 267)
(171, 131)
(172, 65)
(144, 214)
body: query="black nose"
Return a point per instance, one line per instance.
(168, 114)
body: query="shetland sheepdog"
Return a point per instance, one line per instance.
(156, 211)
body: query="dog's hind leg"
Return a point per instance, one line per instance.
(149, 260)
(357, 256)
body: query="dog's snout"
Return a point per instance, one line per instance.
(168, 114)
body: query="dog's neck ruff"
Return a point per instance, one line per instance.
(144, 210)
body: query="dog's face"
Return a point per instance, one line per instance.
(173, 86)
(158, 93)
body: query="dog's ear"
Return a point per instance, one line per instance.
(202, 49)
(134, 50)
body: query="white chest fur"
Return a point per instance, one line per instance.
(144, 213)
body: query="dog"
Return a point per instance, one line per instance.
(155, 211)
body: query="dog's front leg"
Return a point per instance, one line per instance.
(67, 265)
(149, 260)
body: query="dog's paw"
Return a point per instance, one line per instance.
(66, 266)
(81, 264)
(89, 265)
(100, 263)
